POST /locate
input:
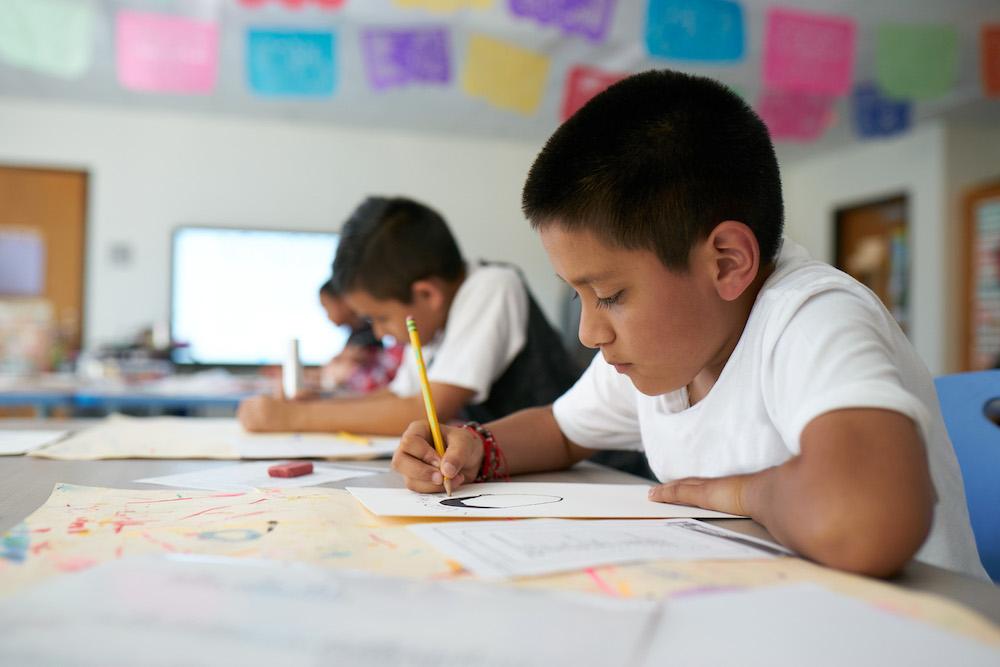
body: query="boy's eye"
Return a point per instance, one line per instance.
(606, 302)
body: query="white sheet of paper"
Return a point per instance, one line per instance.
(21, 442)
(252, 476)
(498, 549)
(184, 611)
(802, 624)
(502, 500)
(309, 445)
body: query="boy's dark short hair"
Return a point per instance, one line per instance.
(329, 289)
(389, 243)
(655, 162)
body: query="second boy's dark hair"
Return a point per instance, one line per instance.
(655, 162)
(390, 243)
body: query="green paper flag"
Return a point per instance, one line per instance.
(916, 61)
(50, 36)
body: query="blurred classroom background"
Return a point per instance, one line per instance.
(173, 173)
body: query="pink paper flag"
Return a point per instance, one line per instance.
(807, 52)
(795, 116)
(162, 53)
(583, 83)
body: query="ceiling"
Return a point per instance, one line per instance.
(449, 99)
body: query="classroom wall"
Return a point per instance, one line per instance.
(914, 164)
(151, 171)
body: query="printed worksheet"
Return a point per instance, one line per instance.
(499, 549)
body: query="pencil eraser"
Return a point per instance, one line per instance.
(291, 469)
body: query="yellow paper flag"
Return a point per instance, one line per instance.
(504, 74)
(444, 5)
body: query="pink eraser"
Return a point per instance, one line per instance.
(291, 469)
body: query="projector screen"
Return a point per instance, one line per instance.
(238, 296)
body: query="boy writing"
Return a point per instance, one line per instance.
(758, 381)
(488, 347)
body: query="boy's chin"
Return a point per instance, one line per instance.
(654, 386)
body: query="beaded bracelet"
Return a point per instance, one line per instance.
(494, 462)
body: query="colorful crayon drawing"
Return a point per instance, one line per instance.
(79, 527)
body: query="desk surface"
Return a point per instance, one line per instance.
(26, 482)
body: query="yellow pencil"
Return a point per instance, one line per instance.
(425, 388)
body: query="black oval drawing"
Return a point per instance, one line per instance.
(495, 501)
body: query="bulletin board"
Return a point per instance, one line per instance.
(981, 318)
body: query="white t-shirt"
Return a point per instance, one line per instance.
(816, 341)
(486, 328)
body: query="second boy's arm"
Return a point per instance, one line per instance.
(859, 497)
(381, 414)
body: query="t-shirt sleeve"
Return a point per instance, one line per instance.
(599, 411)
(835, 352)
(487, 328)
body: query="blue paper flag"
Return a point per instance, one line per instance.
(876, 115)
(710, 30)
(291, 63)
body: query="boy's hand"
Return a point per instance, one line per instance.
(419, 464)
(722, 494)
(264, 413)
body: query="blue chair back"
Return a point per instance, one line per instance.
(964, 398)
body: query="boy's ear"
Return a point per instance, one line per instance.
(735, 256)
(428, 294)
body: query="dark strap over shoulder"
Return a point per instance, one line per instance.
(540, 373)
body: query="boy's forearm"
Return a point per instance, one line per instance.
(532, 442)
(385, 414)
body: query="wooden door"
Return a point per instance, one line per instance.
(872, 245)
(52, 204)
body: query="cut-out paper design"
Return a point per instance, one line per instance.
(795, 116)
(504, 74)
(876, 115)
(443, 6)
(807, 52)
(291, 62)
(589, 18)
(990, 66)
(582, 84)
(710, 30)
(916, 61)
(328, 5)
(397, 57)
(53, 37)
(162, 53)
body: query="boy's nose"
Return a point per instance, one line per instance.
(594, 330)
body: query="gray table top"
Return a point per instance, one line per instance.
(26, 482)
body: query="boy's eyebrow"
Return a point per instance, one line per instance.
(588, 279)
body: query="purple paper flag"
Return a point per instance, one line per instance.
(397, 57)
(589, 18)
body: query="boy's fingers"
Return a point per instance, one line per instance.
(722, 494)
(463, 453)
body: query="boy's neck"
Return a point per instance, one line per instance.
(740, 310)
